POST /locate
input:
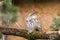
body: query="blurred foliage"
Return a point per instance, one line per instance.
(13, 9)
(10, 10)
(7, 3)
(56, 25)
(0, 35)
(14, 18)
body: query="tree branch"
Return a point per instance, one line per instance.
(23, 33)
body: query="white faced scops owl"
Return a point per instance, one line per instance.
(33, 23)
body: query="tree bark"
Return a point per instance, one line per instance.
(23, 33)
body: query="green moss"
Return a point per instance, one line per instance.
(38, 35)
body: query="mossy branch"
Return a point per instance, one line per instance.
(23, 33)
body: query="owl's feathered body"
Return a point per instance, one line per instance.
(33, 23)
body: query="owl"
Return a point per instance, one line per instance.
(33, 23)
